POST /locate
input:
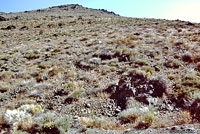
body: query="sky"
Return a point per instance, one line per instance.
(187, 10)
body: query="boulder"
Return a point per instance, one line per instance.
(2, 18)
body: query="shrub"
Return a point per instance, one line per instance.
(148, 69)
(196, 58)
(173, 64)
(198, 66)
(187, 57)
(83, 39)
(76, 93)
(145, 121)
(92, 122)
(130, 115)
(186, 89)
(141, 62)
(53, 71)
(70, 86)
(31, 56)
(52, 123)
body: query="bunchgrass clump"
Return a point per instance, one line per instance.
(188, 87)
(145, 121)
(70, 86)
(31, 56)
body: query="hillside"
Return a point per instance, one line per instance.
(71, 69)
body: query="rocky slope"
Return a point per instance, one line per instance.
(71, 69)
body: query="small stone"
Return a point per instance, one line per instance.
(3, 89)
(88, 105)
(106, 55)
(109, 115)
(174, 128)
(47, 40)
(34, 93)
(43, 86)
(76, 117)
(95, 60)
(118, 110)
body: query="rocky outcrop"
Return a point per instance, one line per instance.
(138, 86)
(2, 18)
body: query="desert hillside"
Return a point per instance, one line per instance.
(72, 69)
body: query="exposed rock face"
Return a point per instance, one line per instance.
(11, 27)
(61, 60)
(108, 12)
(2, 18)
(138, 86)
(195, 109)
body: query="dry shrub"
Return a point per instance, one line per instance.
(145, 121)
(196, 58)
(25, 124)
(185, 118)
(54, 71)
(102, 123)
(5, 75)
(103, 95)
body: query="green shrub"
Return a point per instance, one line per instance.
(173, 64)
(70, 86)
(76, 93)
(52, 122)
(148, 69)
(189, 86)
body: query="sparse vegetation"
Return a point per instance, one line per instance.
(50, 122)
(90, 70)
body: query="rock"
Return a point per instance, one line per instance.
(25, 111)
(108, 12)
(11, 27)
(187, 57)
(24, 28)
(43, 86)
(152, 100)
(2, 18)
(19, 74)
(61, 92)
(121, 94)
(104, 55)
(118, 110)
(3, 88)
(181, 129)
(84, 65)
(95, 60)
(34, 93)
(122, 57)
(195, 109)
(88, 105)
(138, 86)
(179, 43)
(12, 116)
(70, 100)
(47, 40)
(49, 47)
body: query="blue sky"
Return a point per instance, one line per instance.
(162, 9)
